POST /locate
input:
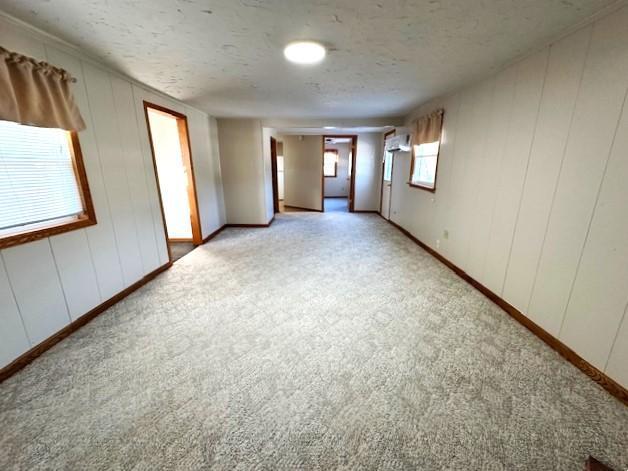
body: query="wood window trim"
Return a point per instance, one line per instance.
(335, 175)
(60, 226)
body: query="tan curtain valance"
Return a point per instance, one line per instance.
(428, 128)
(36, 93)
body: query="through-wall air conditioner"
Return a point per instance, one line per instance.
(399, 143)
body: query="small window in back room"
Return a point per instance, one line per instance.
(43, 187)
(330, 164)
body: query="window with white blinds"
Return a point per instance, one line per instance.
(38, 180)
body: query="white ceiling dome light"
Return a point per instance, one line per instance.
(305, 52)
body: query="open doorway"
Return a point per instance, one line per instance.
(339, 153)
(172, 159)
(276, 161)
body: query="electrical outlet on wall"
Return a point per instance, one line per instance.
(437, 243)
(445, 234)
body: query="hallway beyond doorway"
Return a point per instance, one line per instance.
(336, 205)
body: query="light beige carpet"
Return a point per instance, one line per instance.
(327, 341)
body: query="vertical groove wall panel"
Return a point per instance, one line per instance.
(528, 89)
(14, 39)
(129, 138)
(37, 289)
(475, 156)
(454, 249)
(112, 162)
(78, 277)
(75, 267)
(600, 291)
(595, 121)
(100, 238)
(616, 366)
(443, 179)
(497, 122)
(13, 339)
(562, 83)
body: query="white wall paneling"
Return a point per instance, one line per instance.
(13, 338)
(514, 164)
(101, 238)
(498, 121)
(533, 197)
(562, 82)
(76, 271)
(136, 173)
(37, 289)
(618, 359)
(597, 111)
(600, 284)
(113, 167)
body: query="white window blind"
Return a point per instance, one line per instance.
(37, 180)
(425, 160)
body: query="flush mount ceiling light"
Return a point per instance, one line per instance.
(304, 52)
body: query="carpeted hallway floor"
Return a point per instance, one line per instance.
(325, 341)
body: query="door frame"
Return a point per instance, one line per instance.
(392, 167)
(354, 151)
(273, 166)
(186, 154)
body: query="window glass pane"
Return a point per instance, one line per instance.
(425, 160)
(388, 159)
(37, 179)
(329, 167)
(429, 148)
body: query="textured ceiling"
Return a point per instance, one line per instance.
(225, 56)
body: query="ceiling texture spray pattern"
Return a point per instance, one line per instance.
(226, 56)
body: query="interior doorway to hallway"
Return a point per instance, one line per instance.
(277, 169)
(170, 146)
(338, 186)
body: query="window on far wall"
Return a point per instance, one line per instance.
(330, 163)
(388, 161)
(43, 187)
(424, 162)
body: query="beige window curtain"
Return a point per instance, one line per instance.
(36, 93)
(428, 128)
